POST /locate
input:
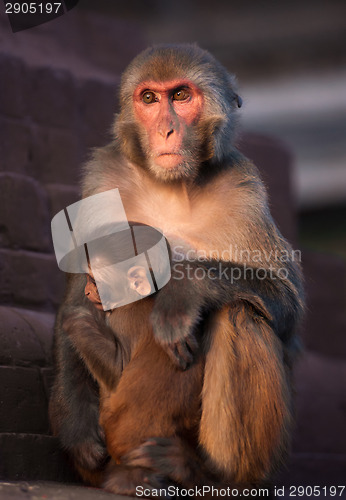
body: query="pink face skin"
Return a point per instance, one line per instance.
(92, 294)
(167, 110)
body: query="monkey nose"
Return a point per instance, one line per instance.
(165, 133)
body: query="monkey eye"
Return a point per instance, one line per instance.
(148, 97)
(181, 95)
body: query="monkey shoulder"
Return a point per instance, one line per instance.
(108, 169)
(238, 187)
(241, 172)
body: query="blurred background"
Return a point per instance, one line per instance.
(58, 85)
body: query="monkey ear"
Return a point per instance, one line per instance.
(232, 81)
(239, 100)
(138, 280)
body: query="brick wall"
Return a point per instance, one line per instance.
(48, 121)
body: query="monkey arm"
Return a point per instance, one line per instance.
(277, 299)
(74, 400)
(87, 354)
(95, 343)
(74, 409)
(196, 286)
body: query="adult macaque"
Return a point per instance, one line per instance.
(174, 162)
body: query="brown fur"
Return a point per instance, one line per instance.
(248, 355)
(152, 398)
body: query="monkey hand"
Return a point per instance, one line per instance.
(173, 324)
(168, 457)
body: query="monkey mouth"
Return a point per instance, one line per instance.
(169, 160)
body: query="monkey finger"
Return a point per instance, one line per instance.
(139, 457)
(173, 352)
(157, 441)
(149, 454)
(185, 353)
(162, 446)
(192, 343)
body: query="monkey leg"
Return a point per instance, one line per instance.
(246, 397)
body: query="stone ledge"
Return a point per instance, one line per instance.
(23, 401)
(24, 218)
(33, 457)
(31, 279)
(26, 337)
(34, 490)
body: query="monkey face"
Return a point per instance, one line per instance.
(111, 285)
(168, 113)
(92, 293)
(177, 112)
(117, 286)
(138, 280)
